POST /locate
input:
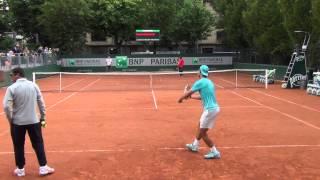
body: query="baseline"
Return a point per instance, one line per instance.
(172, 149)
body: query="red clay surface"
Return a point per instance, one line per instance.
(139, 134)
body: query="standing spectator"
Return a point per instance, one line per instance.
(108, 63)
(19, 105)
(46, 50)
(180, 65)
(40, 50)
(8, 61)
(26, 51)
(16, 49)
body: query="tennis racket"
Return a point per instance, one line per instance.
(187, 87)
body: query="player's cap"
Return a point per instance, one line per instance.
(204, 70)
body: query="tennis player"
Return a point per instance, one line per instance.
(206, 89)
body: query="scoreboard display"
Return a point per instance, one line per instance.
(147, 35)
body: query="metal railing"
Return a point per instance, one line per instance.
(26, 61)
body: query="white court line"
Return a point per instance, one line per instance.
(64, 87)
(219, 86)
(148, 108)
(74, 83)
(154, 99)
(230, 82)
(285, 100)
(278, 111)
(171, 149)
(281, 99)
(64, 99)
(152, 92)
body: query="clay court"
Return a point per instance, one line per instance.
(133, 128)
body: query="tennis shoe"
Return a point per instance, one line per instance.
(19, 172)
(192, 147)
(45, 170)
(213, 155)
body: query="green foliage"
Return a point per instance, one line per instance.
(315, 46)
(233, 22)
(65, 23)
(221, 6)
(264, 24)
(316, 16)
(178, 20)
(3, 24)
(6, 22)
(117, 18)
(6, 43)
(297, 16)
(160, 15)
(193, 22)
(267, 26)
(25, 15)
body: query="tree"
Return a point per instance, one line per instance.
(6, 43)
(160, 15)
(316, 16)
(5, 24)
(264, 24)
(193, 22)
(303, 15)
(315, 43)
(297, 16)
(65, 23)
(231, 20)
(5, 17)
(178, 20)
(25, 21)
(117, 18)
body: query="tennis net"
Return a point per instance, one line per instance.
(127, 81)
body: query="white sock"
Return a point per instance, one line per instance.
(214, 149)
(196, 142)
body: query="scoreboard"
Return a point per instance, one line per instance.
(147, 35)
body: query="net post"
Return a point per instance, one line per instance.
(60, 83)
(34, 77)
(266, 78)
(236, 78)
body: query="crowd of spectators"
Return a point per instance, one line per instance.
(32, 56)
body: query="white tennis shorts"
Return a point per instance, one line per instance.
(208, 118)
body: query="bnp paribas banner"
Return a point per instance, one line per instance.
(125, 62)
